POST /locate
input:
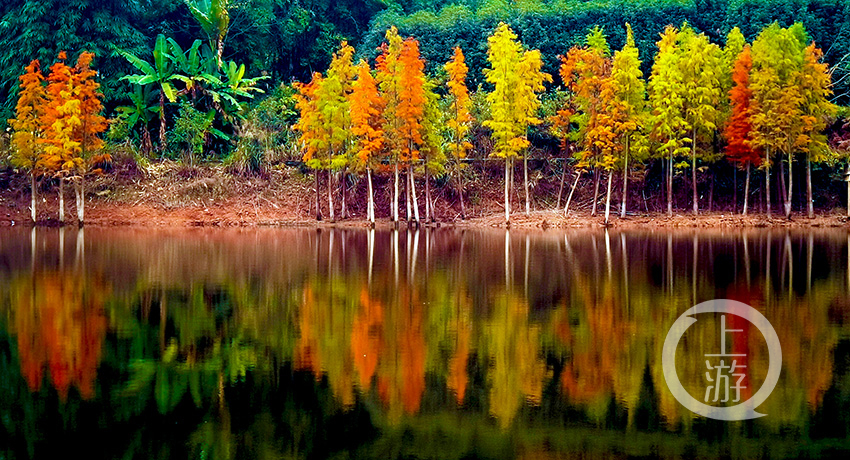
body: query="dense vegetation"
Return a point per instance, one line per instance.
(177, 79)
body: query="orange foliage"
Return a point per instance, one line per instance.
(366, 114)
(738, 131)
(61, 327)
(366, 339)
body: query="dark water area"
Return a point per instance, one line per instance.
(444, 344)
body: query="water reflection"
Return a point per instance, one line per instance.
(428, 343)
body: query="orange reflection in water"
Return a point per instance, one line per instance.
(60, 327)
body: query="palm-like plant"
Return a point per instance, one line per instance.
(159, 71)
(141, 111)
(214, 19)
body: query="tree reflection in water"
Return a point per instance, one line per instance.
(421, 343)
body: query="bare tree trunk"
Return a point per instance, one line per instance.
(735, 190)
(790, 186)
(783, 192)
(395, 191)
(342, 183)
(525, 174)
(848, 204)
(413, 192)
(595, 190)
(331, 195)
(161, 122)
(561, 187)
(429, 215)
(407, 195)
(608, 198)
(670, 185)
(711, 190)
(460, 191)
(62, 200)
(33, 193)
(508, 192)
(570, 197)
(625, 180)
(747, 189)
(370, 209)
(767, 180)
(809, 201)
(318, 198)
(694, 170)
(81, 200)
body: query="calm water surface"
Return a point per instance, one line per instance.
(430, 344)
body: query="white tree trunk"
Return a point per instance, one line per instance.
(395, 192)
(625, 181)
(570, 197)
(747, 189)
(508, 192)
(608, 198)
(62, 200)
(413, 192)
(33, 193)
(370, 210)
(525, 174)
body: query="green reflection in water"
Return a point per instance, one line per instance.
(420, 344)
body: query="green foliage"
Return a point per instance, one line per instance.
(266, 135)
(192, 132)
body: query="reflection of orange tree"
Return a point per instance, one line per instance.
(602, 352)
(401, 372)
(367, 339)
(60, 325)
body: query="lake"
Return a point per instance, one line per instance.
(437, 343)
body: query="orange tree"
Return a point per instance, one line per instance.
(738, 131)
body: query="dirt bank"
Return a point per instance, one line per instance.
(169, 195)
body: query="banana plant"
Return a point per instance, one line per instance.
(233, 86)
(160, 71)
(214, 19)
(141, 111)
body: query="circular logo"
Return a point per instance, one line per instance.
(727, 362)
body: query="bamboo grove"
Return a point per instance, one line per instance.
(760, 106)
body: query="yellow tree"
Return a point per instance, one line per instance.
(700, 66)
(776, 110)
(431, 151)
(311, 127)
(27, 152)
(325, 122)
(629, 92)
(460, 118)
(366, 121)
(667, 102)
(815, 81)
(516, 77)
